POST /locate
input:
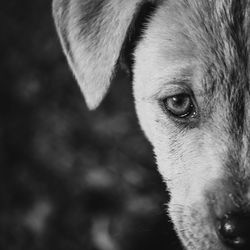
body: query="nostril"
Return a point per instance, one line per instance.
(234, 230)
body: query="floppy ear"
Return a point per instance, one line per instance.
(92, 33)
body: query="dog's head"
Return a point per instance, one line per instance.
(191, 88)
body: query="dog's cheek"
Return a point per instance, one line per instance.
(191, 164)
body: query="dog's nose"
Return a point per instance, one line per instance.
(234, 230)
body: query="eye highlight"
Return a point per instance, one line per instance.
(180, 106)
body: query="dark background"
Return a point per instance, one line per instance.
(70, 178)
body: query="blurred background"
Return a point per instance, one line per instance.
(70, 178)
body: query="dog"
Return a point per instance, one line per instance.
(189, 61)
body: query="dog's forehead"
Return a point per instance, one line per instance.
(216, 33)
(211, 35)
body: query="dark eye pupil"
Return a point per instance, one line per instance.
(179, 105)
(180, 100)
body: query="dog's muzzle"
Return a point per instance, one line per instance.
(230, 210)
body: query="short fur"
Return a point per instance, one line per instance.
(200, 45)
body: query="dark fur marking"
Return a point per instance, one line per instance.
(229, 78)
(134, 35)
(235, 86)
(238, 83)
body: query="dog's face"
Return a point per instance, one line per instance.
(191, 92)
(191, 89)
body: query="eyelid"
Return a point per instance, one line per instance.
(172, 90)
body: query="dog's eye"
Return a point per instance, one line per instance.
(180, 106)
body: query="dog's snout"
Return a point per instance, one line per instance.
(234, 230)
